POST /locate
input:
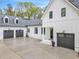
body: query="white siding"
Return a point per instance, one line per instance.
(68, 24)
(32, 32)
(71, 26)
(56, 8)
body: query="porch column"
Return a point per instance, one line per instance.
(46, 36)
(46, 33)
(25, 32)
(14, 34)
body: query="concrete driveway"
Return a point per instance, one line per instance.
(27, 48)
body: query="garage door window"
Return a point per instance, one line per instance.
(69, 36)
(61, 35)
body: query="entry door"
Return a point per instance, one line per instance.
(8, 34)
(19, 33)
(65, 40)
(51, 33)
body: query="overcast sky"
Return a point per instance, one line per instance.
(39, 3)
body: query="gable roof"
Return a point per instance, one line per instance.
(21, 22)
(48, 6)
(73, 3)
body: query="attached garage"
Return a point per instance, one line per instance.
(19, 33)
(65, 40)
(8, 34)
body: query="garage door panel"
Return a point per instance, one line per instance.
(65, 40)
(8, 34)
(19, 33)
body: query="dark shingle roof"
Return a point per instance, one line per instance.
(21, 22)
(75, 3)
(34, 22)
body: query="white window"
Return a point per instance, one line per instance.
(50, 14)
(63, 12)
(36, 30)
(6, 19)
(16, 21)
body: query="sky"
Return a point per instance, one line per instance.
(39, 3)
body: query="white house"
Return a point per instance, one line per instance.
(14, 27)
(11, 27)
(61, 23)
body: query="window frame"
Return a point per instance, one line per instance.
(50, 14)
(41, 30)
(28, 30)
(63, 12)
(36, 30)
(17, 19)
(4, 19)
(44, 31)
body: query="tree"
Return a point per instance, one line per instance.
(30, 10)
(9, 10)
(19, 14)
(40, 14)
(24, 7)
(34, 11)
(1, 13)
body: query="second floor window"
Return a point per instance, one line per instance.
(6, 20)
(50, 15)
(63, 12)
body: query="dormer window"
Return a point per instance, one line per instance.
(6, 19)
(16, 20)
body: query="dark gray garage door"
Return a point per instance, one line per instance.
(65, 40)
(19, 33)
(8, 34)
